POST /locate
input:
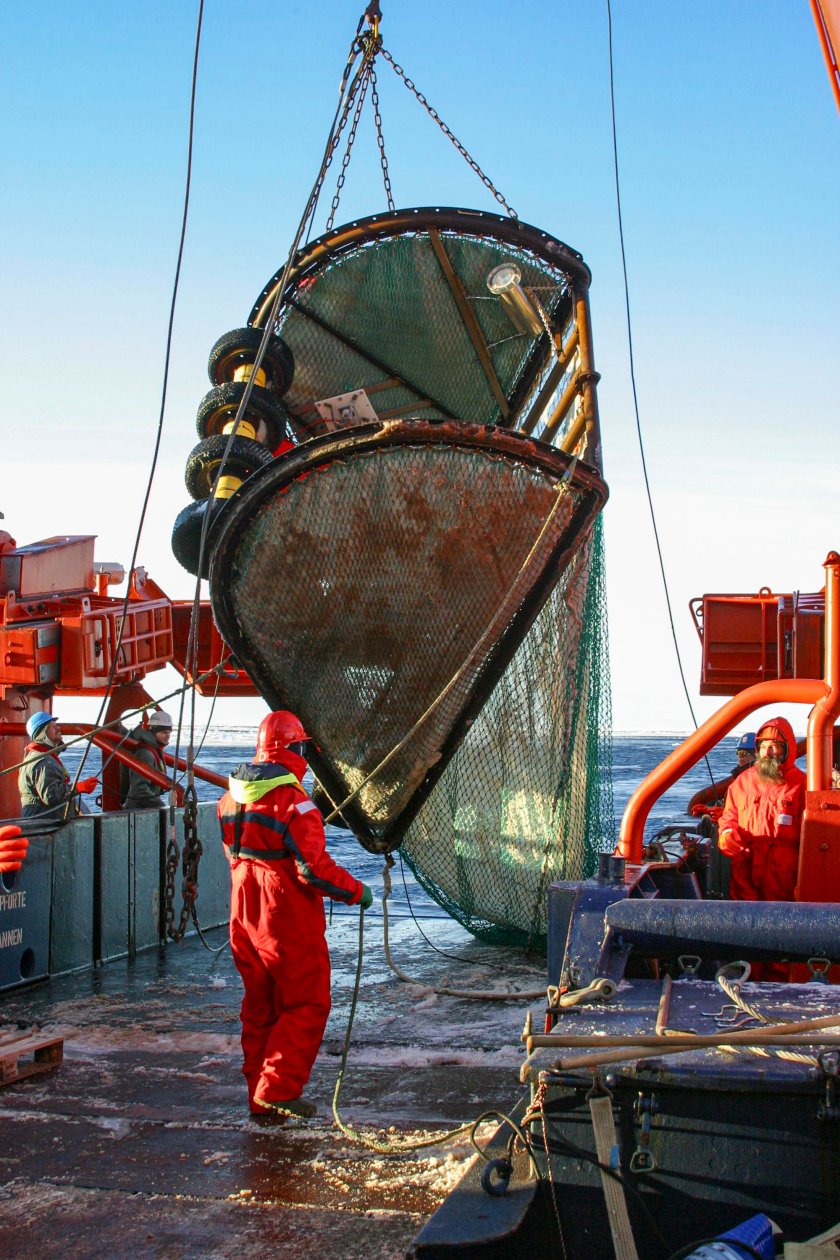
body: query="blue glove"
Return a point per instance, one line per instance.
(367, 897)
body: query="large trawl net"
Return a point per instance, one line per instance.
(377, 584)
(419, 579)
(527, 798)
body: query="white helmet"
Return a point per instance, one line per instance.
(160, 721)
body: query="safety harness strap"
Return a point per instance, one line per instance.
(237, 829)
(262, 855)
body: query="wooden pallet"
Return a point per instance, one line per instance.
(47, 1053)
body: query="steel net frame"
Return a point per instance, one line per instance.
(461, 526)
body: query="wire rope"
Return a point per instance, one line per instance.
(464, 961)
(631, 354)
(165, 383)
(387, 1148)
(347, 90)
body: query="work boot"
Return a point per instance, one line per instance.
(300, 1107)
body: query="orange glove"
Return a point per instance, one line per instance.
(731, 844)
(13, 846)
(87, 785)
(714, 811)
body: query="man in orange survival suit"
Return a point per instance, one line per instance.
(280, 873)
(762, 818)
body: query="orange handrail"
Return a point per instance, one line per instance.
(666, 774)
(824, 714)
(823, 694)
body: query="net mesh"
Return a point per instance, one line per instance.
(383, 317)
(416, 567)
(527, 798)
(434, 604)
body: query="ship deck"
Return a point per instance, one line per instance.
(140, 1144)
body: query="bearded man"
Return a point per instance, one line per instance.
(761, 822)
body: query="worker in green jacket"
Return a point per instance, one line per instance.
(46, 790)
(138, 791)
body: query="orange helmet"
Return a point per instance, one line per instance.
(277, 731)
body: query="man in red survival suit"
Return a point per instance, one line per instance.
(762, 819)
(280, 873)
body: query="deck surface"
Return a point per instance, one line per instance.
(140, 1143)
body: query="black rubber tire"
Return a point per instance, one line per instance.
(240, 346)
(265, 412)
(186, 534)
(244, 457)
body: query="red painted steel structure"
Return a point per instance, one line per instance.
(819, 853)
(61, 634)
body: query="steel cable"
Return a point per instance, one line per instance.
(634, 390)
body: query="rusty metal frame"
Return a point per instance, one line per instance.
(434, 221)
(400, 222)
(470, 322)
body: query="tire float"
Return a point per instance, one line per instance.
(263, 426)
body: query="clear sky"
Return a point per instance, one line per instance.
(728, 147)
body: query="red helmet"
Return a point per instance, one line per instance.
(276, 732)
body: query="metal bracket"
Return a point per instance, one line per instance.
(829, 1061)
(689, 964)
(819, 968)
(643, 1159)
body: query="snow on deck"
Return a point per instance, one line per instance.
(141, 1144)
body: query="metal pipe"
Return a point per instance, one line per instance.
(558, 368)
(558, 415)
(674, 1041)
(827, 49)
(666, 774)
(771, 1034)
(108, 743)
(123, 755)
(826, 710)
(201, 772)
(575, 433)
(588, 379)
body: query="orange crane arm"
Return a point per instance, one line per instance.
(827, 20)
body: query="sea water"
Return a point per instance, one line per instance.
(633, 757)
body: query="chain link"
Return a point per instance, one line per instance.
(360, 45)
(435, 116)
(351, 136)
(380, 139)
(192, 852)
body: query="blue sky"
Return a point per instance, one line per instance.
(728, 148)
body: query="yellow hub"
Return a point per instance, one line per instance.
(243, 429)
(227, 486)
(246, 370)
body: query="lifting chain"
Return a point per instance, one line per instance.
(345, 161)
(368, 45)
(380, 140)
(189, 866)
(435, 116)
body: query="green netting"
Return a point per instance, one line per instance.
(408, 345)
(527, 798)
(373, 593)
(385, 585)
